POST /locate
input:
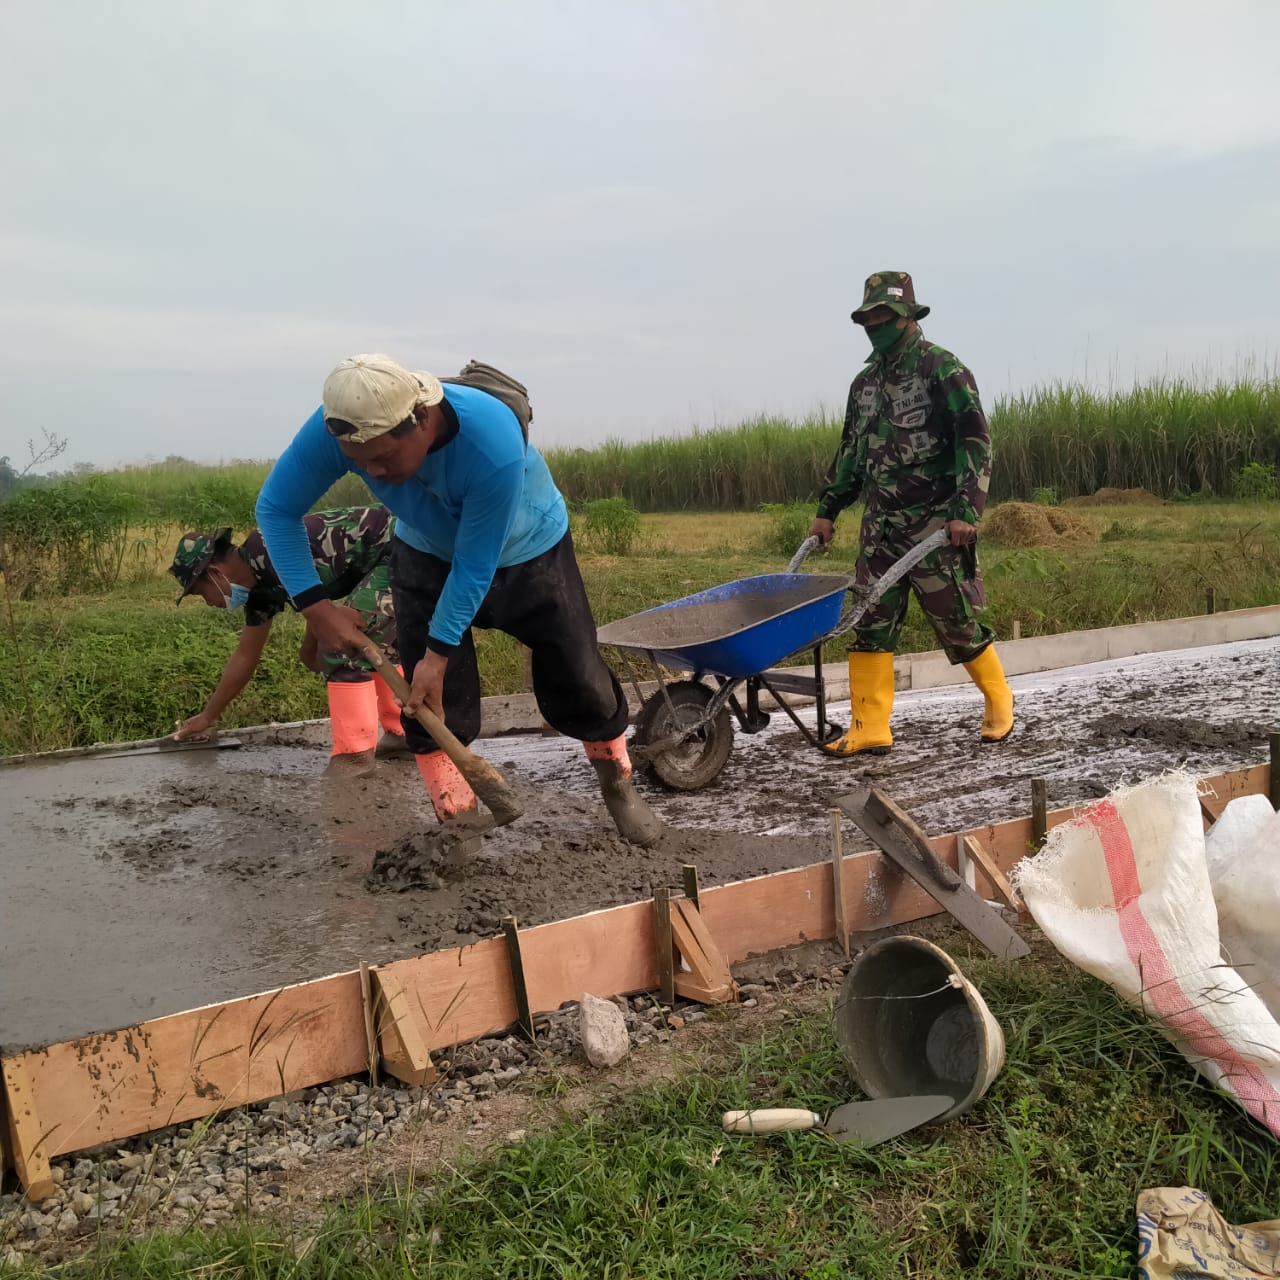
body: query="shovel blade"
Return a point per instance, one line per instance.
(884, 1118)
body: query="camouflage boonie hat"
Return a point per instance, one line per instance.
(194, 553)
(892, 289)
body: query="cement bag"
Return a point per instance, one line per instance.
(1123, 892)
(1243, 850)
(1181, 1236)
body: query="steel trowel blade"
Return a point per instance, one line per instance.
(884, 1118)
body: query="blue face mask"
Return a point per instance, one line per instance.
(239, 596)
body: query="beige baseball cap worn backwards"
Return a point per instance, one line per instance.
(373, 394)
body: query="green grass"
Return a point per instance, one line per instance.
(1040, 1179)
(127, 665)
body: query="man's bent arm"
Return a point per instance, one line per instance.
(302, 474)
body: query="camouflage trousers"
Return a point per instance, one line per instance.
(372, 598)
(947, 584)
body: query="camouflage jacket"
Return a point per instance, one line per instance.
(915, 442)
(346, 545)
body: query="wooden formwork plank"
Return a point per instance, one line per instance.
(117, 1083)
(27, 1132)
(612, 952)
(462, 993)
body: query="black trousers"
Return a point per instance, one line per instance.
(543, 604)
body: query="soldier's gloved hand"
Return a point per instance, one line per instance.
(196, 729)
(961, 532)
(823, 530)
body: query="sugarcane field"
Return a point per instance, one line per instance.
(571, 711)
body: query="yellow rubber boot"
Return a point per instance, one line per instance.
(986, 672)
(871, 702)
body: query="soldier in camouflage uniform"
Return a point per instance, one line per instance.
(351, 548)
(916, 449)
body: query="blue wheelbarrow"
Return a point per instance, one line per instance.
(728, 639)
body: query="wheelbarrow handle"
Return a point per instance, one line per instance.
(803, 552)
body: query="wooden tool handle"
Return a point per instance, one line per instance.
(770, 1120)
(485, 780)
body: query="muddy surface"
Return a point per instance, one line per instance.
(139, 887)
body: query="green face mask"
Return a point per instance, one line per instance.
(884, 336)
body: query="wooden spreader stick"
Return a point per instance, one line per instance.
(485, 780)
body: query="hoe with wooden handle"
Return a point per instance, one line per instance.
(488, 784)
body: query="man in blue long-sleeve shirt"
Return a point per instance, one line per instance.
(482, 538)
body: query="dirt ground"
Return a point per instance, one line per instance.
(139, 887)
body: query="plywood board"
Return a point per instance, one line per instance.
(188, 1065)
(461, 993)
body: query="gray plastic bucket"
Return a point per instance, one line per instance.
(909, 1022)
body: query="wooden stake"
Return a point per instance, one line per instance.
(837, 880)
(1039, 811)
(1017, 629)
(662, 935)
(708, 980)
(1273, 791)
(690, 875)
(27, 1143)
(402, 1033)
(1210, 600)
(524, 1014)
(370, 1033)
(995, 877)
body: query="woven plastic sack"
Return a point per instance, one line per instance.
(1124, 893)
(1243, 851)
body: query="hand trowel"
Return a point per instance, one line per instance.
(866, 1122)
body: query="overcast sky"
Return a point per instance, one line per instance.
(657, 214)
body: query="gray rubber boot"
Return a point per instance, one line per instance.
(392, 746)
(631, 814)
(354, 764)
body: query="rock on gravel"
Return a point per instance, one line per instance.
(603, 1030)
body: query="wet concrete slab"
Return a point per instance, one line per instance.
(133, 888)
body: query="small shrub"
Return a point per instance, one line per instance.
(1118, 529)
(787, 527)
(1256, 482)
(609, 526)
(65, 538)
(1045, 497)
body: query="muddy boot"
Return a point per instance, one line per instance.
(870, 705)
(353, 724)
(392, 746)
(630, 812)
(350, 764)
(986, 672)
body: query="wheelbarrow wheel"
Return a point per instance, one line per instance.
(699, 759)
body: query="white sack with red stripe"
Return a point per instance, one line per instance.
(1243, 849)
(1124, 892)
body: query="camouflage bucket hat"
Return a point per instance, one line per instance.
(892, 289)
(194, 553)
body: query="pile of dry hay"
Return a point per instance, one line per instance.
(1116, 498)
(1022, 524)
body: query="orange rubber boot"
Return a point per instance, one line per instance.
(451, 794)
(632, 816)
(353, 722)
(392, 743)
